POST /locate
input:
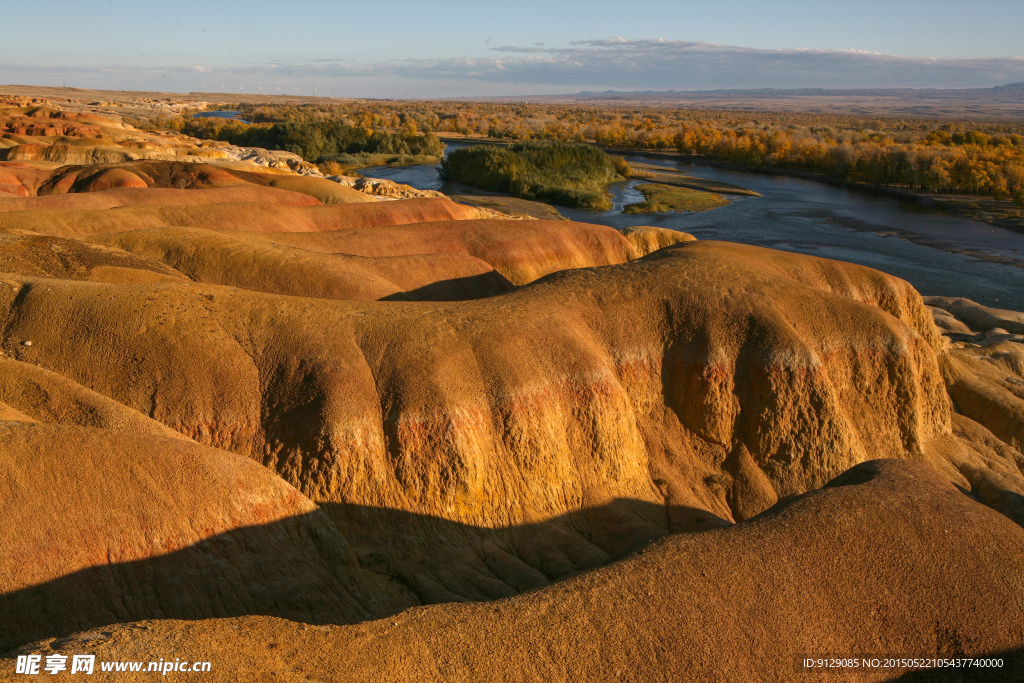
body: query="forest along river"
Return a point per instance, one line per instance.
(221, 115)
(938, 253)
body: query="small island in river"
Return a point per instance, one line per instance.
(577, 175)
(659, 198)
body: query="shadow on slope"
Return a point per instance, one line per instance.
(302, 569)
(889, 558)
(479, 286)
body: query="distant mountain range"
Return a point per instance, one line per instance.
(1012, 92)
(1003, 103)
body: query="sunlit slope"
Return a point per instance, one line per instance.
(698, 385)
(130, 196)
(520, 251)
(263, 216)
(107, 525)
(44, 135)
(845, 569)
(253, 394)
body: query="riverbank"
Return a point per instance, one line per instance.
(999, 213)
(347, 164)
(937, 252)
(557, 173)
(669, 176)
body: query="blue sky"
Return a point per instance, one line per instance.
(398, 48)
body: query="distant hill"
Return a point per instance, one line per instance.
(1010, 92)
(1003, 102)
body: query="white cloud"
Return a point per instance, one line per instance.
(614, 63)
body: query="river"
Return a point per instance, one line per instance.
(938, 253)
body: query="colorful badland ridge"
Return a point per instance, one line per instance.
(238, 400)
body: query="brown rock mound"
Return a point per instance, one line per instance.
(111, 199)
(26, 176)
(58, 257)
(646, 239)
(102, 526)
(521, 251)
(326, 191)
(187, 175)
(155, 174)
(113, 178)
(39, 395)
(848, 570)
(468, 439)
(708, 380)
(49, 134)
(984, 368)
(68, 154)
(11, 185)
(978, 317)
(245, 217)
(984, 389)
(238, 260)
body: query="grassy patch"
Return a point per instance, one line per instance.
(568, 174)
(666, 198)
(341, 164)
(679, 179)
(635, 166)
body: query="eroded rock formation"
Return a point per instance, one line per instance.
(259, 393)
(743, 603)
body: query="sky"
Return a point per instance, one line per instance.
(450, 48)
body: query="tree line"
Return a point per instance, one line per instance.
(916, 154)
(316, 141)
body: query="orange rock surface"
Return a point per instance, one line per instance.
(237, 401)
(845, 570)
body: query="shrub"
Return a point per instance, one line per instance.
(565, 173)
(314, 140)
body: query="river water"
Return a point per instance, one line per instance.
(937, 253)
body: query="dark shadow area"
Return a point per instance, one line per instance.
(478, 286)
(1012, 670)
(341, 564)
(344, 564)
